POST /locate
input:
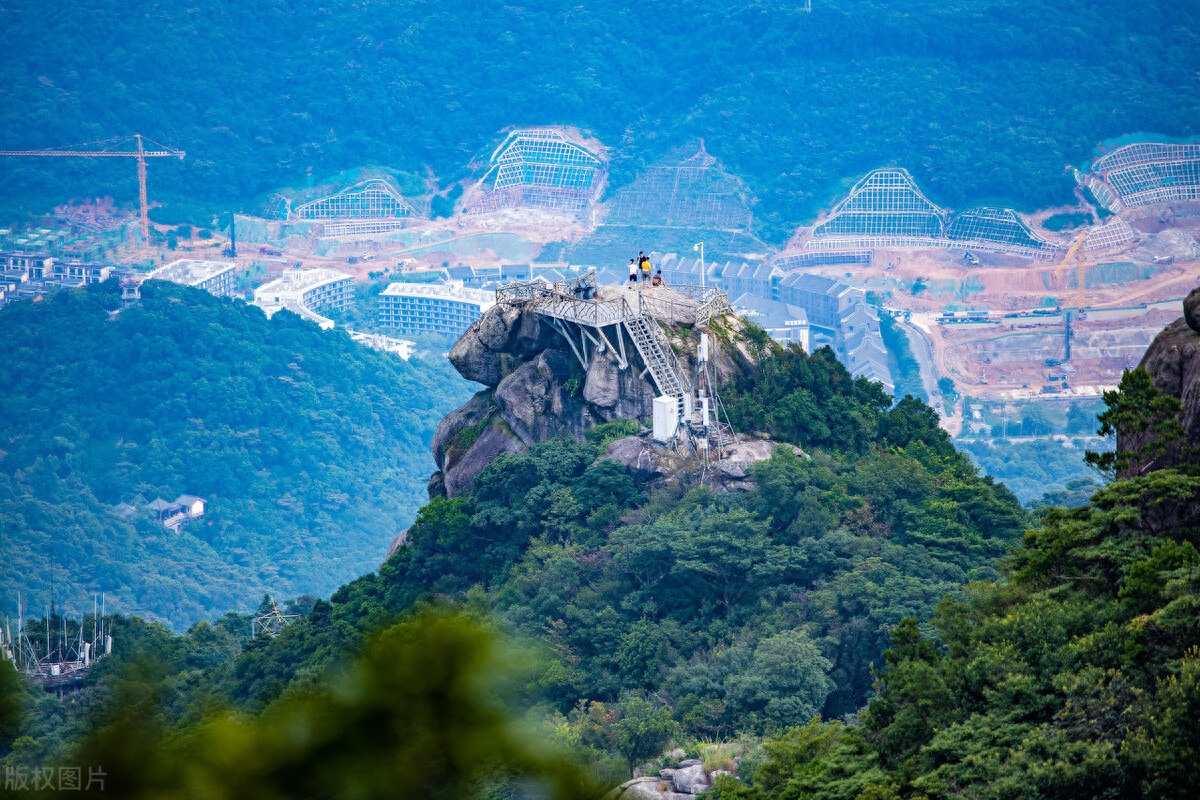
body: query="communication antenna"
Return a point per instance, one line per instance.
(710, 433)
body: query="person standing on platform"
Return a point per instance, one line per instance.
(645, 265)
(633, 273)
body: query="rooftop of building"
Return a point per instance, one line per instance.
(450, 290)
(769, 313)
(297, 280)
(190, 271)
(815, 283)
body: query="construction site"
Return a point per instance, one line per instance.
(1008, 305)
(1000, 302)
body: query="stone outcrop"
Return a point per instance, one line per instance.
(494, 440)
(681, 782)
(1173, 361)
(690, 779)
(537, 389)
(646, 461)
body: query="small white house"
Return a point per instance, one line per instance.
(191, 505)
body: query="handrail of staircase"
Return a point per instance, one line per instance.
(664, 344)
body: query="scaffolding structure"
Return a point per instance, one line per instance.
(794, 261)
(1115, 233)
(696, 193)
(364, 227)
(372, 199)
(57, 653)
(1146, 173)
(539, 168)
(886, 203)
(1103, 195)
(887, 209)
(999, 229)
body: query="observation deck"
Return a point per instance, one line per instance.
(596, 319)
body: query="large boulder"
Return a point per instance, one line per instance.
(645, 789)
(474, 360)
(616, 392)
(476, 410)
(1173, 361)
(494, 440)
(690, 780)
(539, 391)
(538, 402)
(1191, 310)
(638, 456)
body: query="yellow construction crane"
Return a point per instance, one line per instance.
(110, 148)
(1077, 254)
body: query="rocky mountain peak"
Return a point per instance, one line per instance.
(536, 386)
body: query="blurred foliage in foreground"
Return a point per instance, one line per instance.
(422, 711)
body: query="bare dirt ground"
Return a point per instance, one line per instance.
(1006, 356)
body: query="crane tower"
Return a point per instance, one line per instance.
(134, 147)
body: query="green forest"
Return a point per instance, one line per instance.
(312, 451)
(643, 616)
(983, 100)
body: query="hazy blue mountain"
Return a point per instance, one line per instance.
(979, 99)
(312, 451)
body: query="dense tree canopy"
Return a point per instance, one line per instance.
(311, 450)
(658, 612)
(981, 99)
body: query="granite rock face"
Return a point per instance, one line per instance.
(539, 390)
(1173, 361)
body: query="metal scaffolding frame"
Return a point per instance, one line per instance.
(372, 199)
(887, 209)
(364, 227)
(693, 194)
(540, 168)
(1000, 228)
(885, 203)
(1114, 233)
(1145, 173)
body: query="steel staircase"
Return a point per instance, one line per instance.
(661, 369)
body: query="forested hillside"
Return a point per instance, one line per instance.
(312, 451)
(981, 99)
(673, 612)
(1076, 676)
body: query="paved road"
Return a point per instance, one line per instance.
(923, 352)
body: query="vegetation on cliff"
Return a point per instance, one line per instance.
(309, 449)
(657, 613)
(1077, 675)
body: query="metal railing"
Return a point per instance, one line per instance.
(595, 313)
(582, 287)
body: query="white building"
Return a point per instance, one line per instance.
(215, 277)
(447, 308)
(385, 344)
(303, 291)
